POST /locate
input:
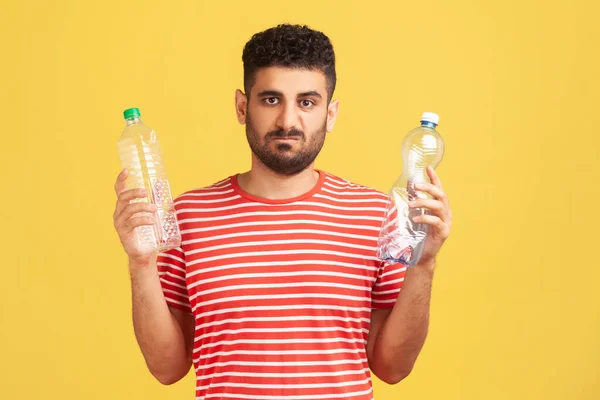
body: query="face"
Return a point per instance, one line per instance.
(287, 117)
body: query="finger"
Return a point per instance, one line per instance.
(429, 220)
(433, 176)
(134, 222)
(132, 209)
(120, 183)
(125, 198)
(436, 206)
(435, 191)
(128, 195)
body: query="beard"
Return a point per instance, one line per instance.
(283, 159)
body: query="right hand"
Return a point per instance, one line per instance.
(125, 222)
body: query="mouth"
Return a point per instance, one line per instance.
(287, 138)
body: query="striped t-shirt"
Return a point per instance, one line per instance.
(281, 290)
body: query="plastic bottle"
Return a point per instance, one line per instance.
(402, 240)
(140, 153)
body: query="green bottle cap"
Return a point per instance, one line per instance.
(131, 113)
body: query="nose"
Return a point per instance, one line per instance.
(288, 118)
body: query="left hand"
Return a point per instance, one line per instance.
(440, 219)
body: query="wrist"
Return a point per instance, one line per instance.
(427, 265)
(141, 265)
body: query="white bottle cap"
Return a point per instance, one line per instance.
(430, 117)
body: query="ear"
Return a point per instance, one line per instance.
(241, 104)
(332, 112)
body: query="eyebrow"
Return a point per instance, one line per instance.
(311, 93)
(277, 93)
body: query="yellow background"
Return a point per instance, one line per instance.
(515, 309)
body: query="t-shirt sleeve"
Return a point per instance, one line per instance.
(171, 270)
(388, 285)
(390, 277)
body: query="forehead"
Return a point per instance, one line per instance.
(290, 81)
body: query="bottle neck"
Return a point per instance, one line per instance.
(428, 124)
(132, 120)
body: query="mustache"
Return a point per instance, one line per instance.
(282, 134)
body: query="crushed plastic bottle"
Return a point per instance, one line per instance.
(401, 240)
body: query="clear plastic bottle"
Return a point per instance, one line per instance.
(140, 153)
(402, 240)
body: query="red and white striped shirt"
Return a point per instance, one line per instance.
(281, 290)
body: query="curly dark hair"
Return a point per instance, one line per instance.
(295, 46)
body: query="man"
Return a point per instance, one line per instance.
(275, 292)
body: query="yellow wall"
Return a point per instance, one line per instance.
(515, 312)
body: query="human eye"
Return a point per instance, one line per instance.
(307, 103)
(271, 101)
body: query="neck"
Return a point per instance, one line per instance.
(262, 182)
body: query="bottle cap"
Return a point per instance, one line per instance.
(430, 117)
(131, 113)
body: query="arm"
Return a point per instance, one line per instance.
(165, 334)
(397, 335)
